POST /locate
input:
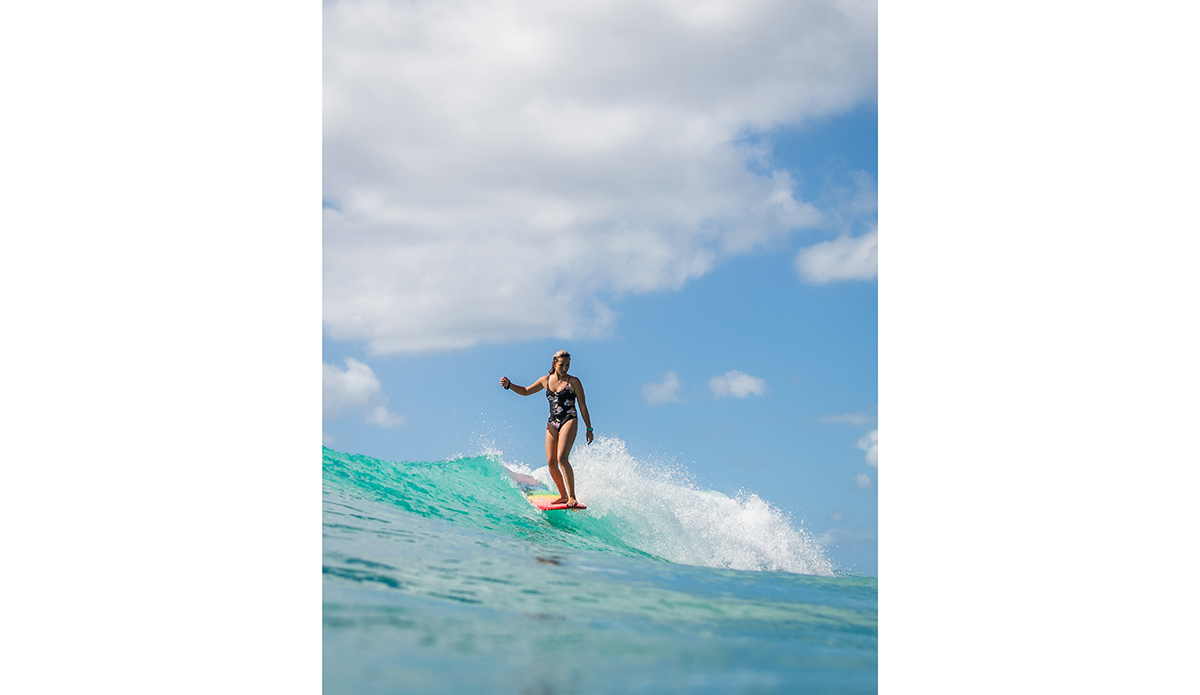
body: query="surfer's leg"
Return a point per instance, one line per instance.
(552, 462)
(566, 438)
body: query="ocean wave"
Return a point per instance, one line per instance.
(634, 508)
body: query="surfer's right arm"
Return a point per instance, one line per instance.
(524, 390)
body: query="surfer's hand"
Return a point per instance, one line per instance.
(504, 382)
(589, 437)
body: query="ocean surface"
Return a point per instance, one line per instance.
(440, 577)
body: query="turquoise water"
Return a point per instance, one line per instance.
(440, 577)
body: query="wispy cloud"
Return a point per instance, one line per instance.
(736, 384)
(862, 481)
(355, 389)
(856, 419)
(853, 206)
(869, 443)
(665, 391)
(463, 139)
(844, 258)
(835, 536)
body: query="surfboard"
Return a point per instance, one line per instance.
(538, 494)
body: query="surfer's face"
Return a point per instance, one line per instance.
(564, 363)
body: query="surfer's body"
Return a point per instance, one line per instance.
(563, 391)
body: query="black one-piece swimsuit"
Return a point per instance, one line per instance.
(562, 406)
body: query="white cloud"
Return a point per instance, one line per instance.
(837, 536)
(736, 384)
(665, 391)
(355, 390)
(843, 258)
(857, 419)
(381, 416)
(501, 169)
(862, 481)
(869, 443)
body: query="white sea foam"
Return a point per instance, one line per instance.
(662, 513)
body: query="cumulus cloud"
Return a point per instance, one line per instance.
(504, 169)
(356, 390)
(665, 391)
(862, 481)
(843, 258)
(736, 384)
(869, 443)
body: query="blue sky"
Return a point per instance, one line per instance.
(690, 202)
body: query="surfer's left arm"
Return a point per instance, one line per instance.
(583, 411)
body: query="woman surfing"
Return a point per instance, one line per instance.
(562, 390)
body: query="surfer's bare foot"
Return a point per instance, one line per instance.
(572, 503)
(560, 500)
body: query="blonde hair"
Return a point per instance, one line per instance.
(560, 353)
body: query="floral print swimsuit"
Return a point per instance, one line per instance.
(562, 405)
